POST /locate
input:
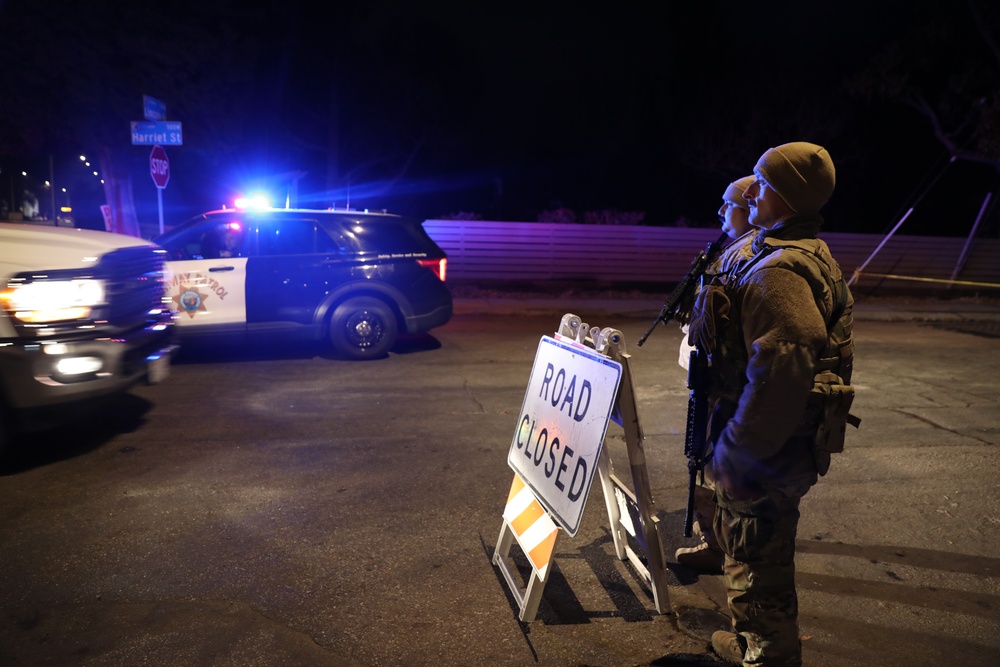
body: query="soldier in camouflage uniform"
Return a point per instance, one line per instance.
(734, 214)
(777, 328)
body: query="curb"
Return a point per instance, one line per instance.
(888, 311)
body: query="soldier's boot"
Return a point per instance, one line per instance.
(705, 558)
(727, 646)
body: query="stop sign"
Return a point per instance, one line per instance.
(159, 166)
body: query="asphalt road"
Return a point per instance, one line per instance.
(263, 508)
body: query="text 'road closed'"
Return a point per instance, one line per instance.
(562, 424)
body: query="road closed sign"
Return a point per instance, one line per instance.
(561, 427)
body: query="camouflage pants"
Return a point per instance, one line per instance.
(704, 513)
(758, 537)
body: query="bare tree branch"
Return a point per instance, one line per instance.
(984, 31)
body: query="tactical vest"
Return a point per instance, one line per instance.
(716, 328)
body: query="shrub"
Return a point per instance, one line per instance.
(461, 215)
(561, 215)
(613, 217)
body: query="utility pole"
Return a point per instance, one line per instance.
(52, 191)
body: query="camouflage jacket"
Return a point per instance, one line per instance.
(776, 324)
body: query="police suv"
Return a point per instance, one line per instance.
(353, 279)
(83, 315)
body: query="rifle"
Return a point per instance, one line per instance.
(697, 427)
(686, 286)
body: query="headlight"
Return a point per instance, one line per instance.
(53, 300)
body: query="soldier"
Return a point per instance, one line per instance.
(734, 215)
(777, 328)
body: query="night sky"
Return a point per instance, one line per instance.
(653, 107)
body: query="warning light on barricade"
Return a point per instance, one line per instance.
(535, 531)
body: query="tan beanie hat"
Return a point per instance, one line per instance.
(734, 193)
(801, 172)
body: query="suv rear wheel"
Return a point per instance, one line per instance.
(363, 328)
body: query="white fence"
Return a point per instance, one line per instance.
(608, 254)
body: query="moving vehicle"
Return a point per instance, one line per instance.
(354, 279)
(83, 315)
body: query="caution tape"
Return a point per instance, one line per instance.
(967, 283)
(535, 531)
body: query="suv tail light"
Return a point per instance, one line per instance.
(438, 266)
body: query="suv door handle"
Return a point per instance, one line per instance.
(221, 268)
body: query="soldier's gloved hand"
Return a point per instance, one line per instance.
(730, 476)
(682, 313)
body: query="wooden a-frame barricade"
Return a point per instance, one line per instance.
(630, 511)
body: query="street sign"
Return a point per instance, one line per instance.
(153, 109)
(164, 133)
(159, 166)
(564, 418)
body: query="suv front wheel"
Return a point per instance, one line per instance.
(363, 328)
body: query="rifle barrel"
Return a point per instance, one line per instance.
(687, 283)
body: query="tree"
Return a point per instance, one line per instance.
(73, 76)
(283, 88)
(947, 68)
(736, 86)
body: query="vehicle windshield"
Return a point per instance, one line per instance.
(205, 238)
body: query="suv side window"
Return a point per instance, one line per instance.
(292, 236)
(211, 239)
(386, 237)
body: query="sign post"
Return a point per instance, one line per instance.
(159, 169)
(157, 131)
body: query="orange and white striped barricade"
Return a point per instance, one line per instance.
(526, 521)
